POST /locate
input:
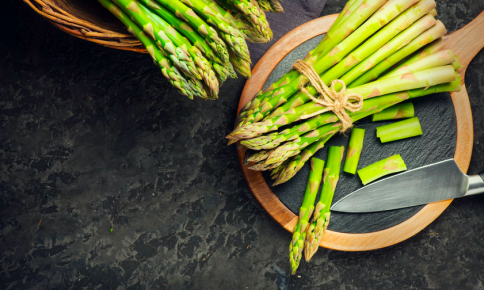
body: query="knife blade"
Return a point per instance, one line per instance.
(435, 182)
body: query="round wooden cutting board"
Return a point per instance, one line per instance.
(466, 43)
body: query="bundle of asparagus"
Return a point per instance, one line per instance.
(197, 44)
(384, 51)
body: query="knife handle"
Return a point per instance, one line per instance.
(476, 184)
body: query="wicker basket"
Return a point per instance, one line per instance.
(87, 20)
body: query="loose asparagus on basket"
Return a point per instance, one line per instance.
(198, 43)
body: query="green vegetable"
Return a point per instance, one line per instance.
(305, 211)
(400, 111)
(392, 164)
(321, 216)
(399, 130)
(354, 150)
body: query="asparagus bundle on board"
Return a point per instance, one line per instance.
(197, 44)
(384, 51)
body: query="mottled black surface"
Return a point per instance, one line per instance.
(94, 139)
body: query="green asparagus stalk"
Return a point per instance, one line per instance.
(232, 36)
(166, 31)
(265, 5)
(320, 220)
(392, 164)
(178, 55)
(169, 71)
(292, 148)
(336, 56)
(240, 65)
(290, 167)
(400, 111)
(276, 6)
(440, 58)
(334, 45)
(210, 34)
(256, 156)
(437, 31)
(305, 211)
(354, 150)
(399, 130)
(261, 166)
(435, 46)
(294, 164)
(404, 82)
(253, 14)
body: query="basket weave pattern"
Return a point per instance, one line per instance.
(86, 21)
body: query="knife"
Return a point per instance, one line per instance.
(435, 182)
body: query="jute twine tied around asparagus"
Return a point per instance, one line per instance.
(335, 101)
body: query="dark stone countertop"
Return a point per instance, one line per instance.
(94, 139)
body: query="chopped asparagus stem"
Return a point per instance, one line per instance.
(399, 130)
(354, 150)
(392, 164)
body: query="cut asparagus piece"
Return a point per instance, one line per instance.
(400, 111)
(392, 164)
(399, 130)
(305, 211)
(354, 150)
(321, 216)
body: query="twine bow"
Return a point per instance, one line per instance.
(336, 101)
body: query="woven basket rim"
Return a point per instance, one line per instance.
(82, 28)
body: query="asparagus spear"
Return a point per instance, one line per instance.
(166, 31)
(404, 82)
(400, 111)
(230, 34)
(210, 34)
(435, 46)
(305, 211)
(265, 5)
(253, 14)
(240, 65)
(354, 150)
(296, 163)
(399, 130)
(440, 58)
(392, 164)
(321, 216)
(437, 31)
(290, 167)
(178, 55)
(276, 6)
(169, 71)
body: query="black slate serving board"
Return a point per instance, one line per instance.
(437, 118)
